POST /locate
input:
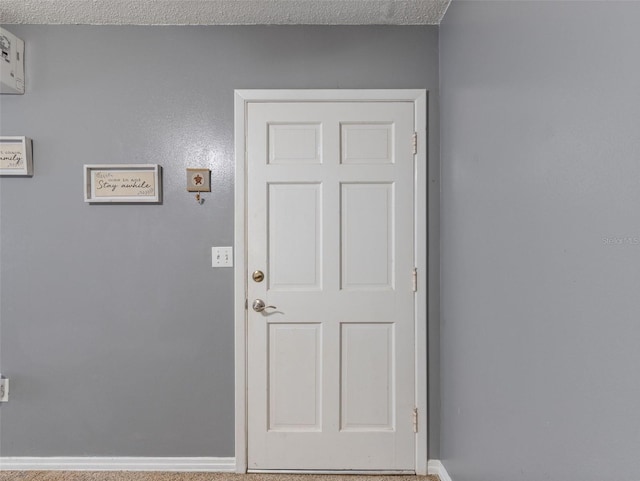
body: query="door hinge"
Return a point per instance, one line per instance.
(414, 279)
(415, 420)
(414, 143)
(246, 304)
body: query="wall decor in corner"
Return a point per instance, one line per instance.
(15, 156)
(11, 63)
(123, 183)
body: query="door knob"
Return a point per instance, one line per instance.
(259, 306)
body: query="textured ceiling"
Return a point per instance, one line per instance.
(223, 12)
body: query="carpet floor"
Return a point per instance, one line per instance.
(157, 476)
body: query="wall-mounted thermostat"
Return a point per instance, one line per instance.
(11, 63)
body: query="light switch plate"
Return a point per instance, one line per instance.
(222, 256)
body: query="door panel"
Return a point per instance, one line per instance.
(367, 391)
(370, 143)
(294, 143)
(295, 353)
(331, 383)
(367, 236)
(295, 240)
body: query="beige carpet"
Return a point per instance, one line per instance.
(147, 476)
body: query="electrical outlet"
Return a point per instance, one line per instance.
(4, 390)
(222, 256)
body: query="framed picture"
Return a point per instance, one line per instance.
(15, 156)
(198, 180)
(123, 183)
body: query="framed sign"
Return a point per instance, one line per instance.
(123, 183)
(15, 156)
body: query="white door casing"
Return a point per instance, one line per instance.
(330, 199)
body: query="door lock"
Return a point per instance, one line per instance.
(258, 276)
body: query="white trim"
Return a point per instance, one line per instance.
(210, 465)
(364, 472)
(240, 286)
(436, 467)
(242, 98)
(381, 95)
(420, 255)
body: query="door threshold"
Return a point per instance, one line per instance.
(371, 472)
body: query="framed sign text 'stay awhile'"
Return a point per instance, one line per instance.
(122, 183)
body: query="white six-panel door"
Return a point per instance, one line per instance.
(330, 219)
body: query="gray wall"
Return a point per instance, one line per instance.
(115, 331)
(540, 114)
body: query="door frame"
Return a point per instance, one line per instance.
(419, 99)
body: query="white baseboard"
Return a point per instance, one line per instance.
(211, 465)
(214, 465)
(436, 467)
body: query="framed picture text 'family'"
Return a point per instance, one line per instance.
(15, 156)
